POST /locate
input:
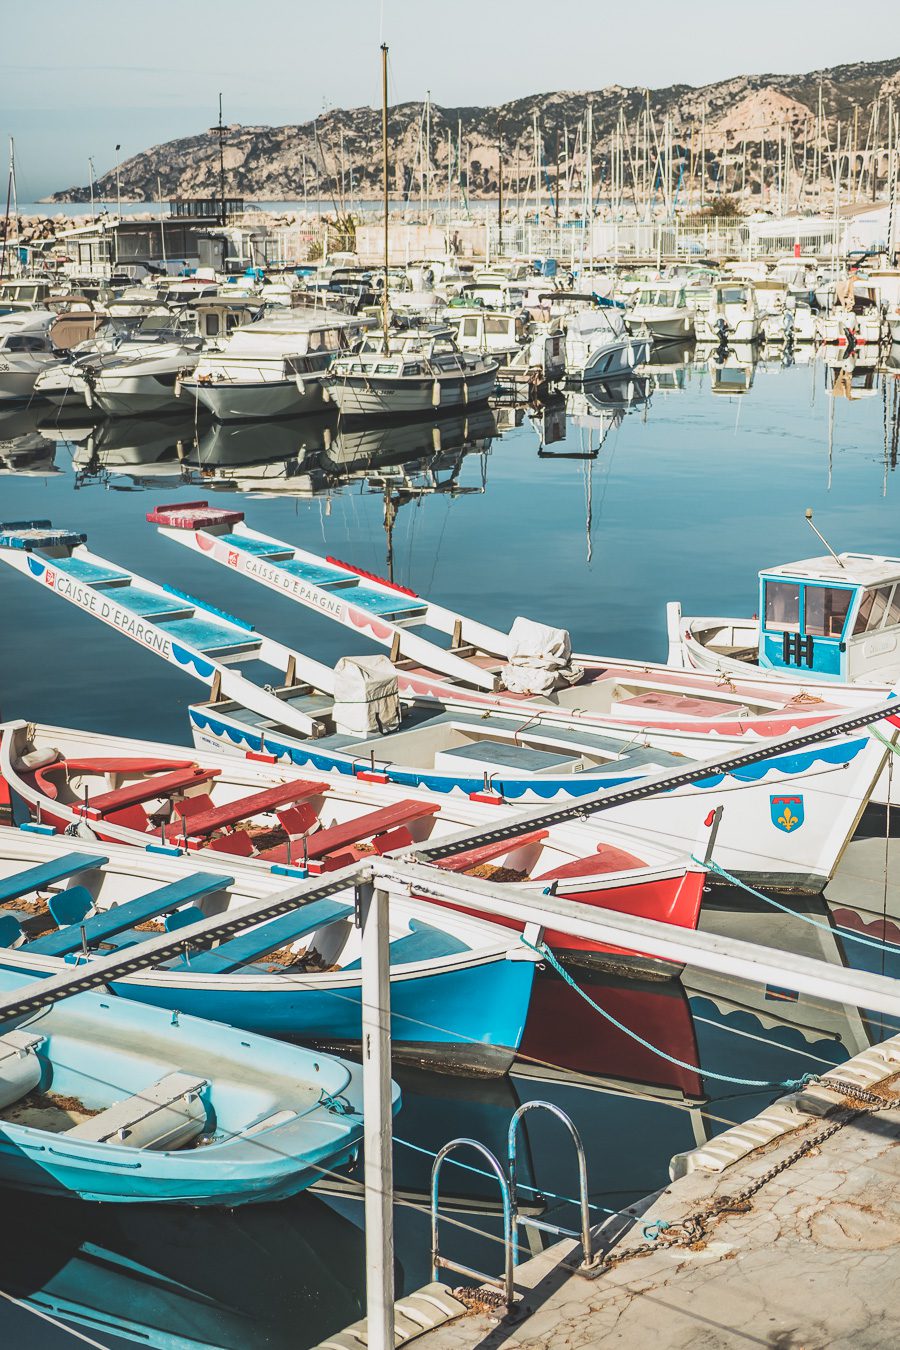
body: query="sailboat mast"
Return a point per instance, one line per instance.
(9, 185)
(384, 156)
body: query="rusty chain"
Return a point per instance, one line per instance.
(693, 1230)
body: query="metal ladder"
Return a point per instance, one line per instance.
(512, 1218)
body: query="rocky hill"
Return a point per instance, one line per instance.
(338, 155)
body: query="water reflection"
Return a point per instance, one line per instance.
(667, 514)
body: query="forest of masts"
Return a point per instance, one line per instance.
(646, 168)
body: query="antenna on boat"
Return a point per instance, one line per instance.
(809, 521)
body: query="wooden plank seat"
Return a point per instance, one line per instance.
(208, 636)
(474, 857)
(150, 605)
(93, 574)
(148, 789)
(256, 804)
(268, 937)
(47, 874)
(110, 922)
(260, 548)
(422, 943)
(608, 858)
(166, 1114)
(327, 578)
(337, 837)
(385, 606)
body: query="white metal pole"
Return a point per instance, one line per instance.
(376, 1061)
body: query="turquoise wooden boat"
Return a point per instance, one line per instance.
(106, 1099)
(460, 986)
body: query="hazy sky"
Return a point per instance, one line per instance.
(76, 76)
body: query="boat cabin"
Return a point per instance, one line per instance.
(832, 619)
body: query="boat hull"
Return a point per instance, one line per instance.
(237, 401)
(833, 781)
(356, 396)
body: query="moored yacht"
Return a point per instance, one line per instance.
(412, 372)
(26, 349)
(272, 368)
(661, 311)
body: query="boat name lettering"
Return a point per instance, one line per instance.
(102, 608)
(310, 595)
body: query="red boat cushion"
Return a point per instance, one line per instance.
(297, 820)
(130, 818)
(238, 843)
(192, 515)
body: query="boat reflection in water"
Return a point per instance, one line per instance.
(669, 367)
(23, 450)
(310, 457)
(183, 1279)
(731, 369)
(147, 452)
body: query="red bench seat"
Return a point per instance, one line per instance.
(256, 804)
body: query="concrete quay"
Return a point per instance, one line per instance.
(807, 1260)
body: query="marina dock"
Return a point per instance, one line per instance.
(449, 686)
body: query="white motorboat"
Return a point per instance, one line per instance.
(661, 311)
(731, 316)
(421, 370)
(142, 380)
(272, 368)
(26, 349)
(599, 346)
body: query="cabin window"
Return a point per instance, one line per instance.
(412, 368)
(892, 617)
(783, 606)
(470, 328)
(876, 606)
(825, 610)
(732, 295)
(212, 325)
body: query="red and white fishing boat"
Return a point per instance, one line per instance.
(165, 799)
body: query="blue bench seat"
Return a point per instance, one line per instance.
(261, 548)
(111, 922)
(94, 574)
(208, 636)
(422, 943)
(327, 577)
(46, 874)
(151, 605)
(268, 937)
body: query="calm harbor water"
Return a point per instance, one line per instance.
(590, 515)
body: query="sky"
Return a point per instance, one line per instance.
(78, 76)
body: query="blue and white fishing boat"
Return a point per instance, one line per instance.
(460, 986)
(832, 619)
(105, 1099)
(351, 720)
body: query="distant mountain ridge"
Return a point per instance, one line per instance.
(339, 153)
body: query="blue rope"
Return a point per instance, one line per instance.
(520, 1185)
(792, 1083)
(880, 944)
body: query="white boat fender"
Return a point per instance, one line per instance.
(35, 759)
(436, 394)
(20, 1068)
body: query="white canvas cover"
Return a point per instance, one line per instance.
(539, 659)
(366, 695)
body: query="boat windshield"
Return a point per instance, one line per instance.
(732, 295)
(878, 609)
(816, 611)
(659, 296)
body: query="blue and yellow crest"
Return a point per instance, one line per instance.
(787, 813)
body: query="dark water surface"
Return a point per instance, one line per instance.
(688, 493)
